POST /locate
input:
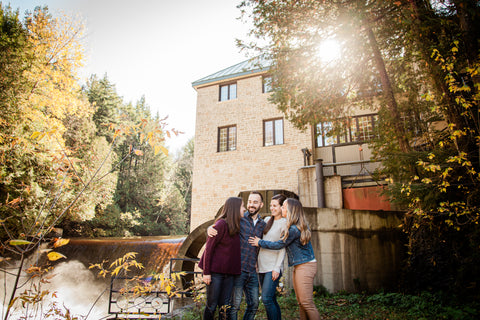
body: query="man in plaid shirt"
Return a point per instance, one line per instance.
(251, 225)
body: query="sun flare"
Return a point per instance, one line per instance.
(329, 50)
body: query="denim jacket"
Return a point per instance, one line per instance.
(296, 252)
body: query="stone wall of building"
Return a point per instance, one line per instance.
(219, 175)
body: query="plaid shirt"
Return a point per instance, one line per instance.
(249, 253)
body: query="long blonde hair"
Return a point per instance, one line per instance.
(297, 217)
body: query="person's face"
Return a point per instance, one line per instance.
(254, 204)
(242, 208)
(275, 209)
(284, 209)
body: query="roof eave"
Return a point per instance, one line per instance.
(202, 83)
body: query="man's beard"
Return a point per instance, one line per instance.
(254, 213)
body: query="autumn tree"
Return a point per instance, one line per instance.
(55, 166)
(42, 97)
(42, 173)
(416, 62)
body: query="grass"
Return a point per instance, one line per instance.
(392, 306)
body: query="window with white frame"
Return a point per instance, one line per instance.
(227, 138)
(228, 92)
(272, 132)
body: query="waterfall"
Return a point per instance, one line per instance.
(79, 288)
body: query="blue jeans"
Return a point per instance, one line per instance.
(245, 283)
(219, 294)
(269, 299)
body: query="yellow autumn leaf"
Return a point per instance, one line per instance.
(116, 271)
(60, 242)
(17, 242)
(35, 135)
(138, 152)
(164, 150)
(54, 256)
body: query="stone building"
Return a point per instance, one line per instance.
(243, 143)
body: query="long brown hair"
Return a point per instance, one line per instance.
(231, 214)
(296, 217)
(280, 198)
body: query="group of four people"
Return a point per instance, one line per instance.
(232, 264)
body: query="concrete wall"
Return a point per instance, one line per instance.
(356, 250)
(219, 175)
(307, 189)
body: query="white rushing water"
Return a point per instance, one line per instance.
(75, 288)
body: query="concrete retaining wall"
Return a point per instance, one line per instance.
(356, 250)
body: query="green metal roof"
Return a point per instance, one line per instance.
(250, 66)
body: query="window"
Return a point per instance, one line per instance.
(321, 131)
(362, 128)
(272, 132)
(347, 130)
(267, 84)
(228, 92)
(227, 138)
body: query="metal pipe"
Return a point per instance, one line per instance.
(320, 185)
(346, 163)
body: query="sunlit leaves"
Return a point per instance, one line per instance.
(60, 242)
(54, 256)
(138, 152)
(19, 242)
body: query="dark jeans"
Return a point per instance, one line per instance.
(245, 283)
(219, 294)
(269, 298)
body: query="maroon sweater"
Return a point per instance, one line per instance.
(222, 252)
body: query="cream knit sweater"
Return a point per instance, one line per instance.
(272, 260)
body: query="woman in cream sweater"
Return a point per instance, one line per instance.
(270, 262)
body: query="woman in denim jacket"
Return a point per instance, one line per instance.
(300, 255)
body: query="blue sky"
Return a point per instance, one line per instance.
(156, 48)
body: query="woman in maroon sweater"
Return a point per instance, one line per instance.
(220, 261)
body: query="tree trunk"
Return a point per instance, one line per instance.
(387, 90)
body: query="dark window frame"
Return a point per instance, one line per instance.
(228, 86)
(274, 138)
(227, 146)
(265, 83)
(352, 135)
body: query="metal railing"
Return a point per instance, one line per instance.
(125, 301)
(186, 274)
